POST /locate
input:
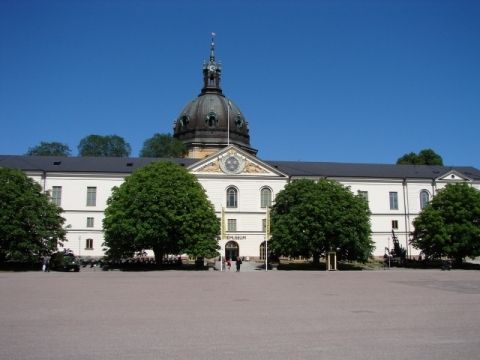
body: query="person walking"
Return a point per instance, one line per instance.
(238, 263)
(46, 264)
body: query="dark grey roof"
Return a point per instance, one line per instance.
(345, 170)
(191, 126)
(291, 168)
(81, 164)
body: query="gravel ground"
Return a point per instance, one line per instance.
(386, 314)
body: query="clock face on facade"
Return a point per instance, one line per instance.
(232, 164)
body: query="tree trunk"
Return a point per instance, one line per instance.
(316, 258)
(158, 255)
(458, 261)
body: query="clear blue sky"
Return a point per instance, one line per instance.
(327, 80)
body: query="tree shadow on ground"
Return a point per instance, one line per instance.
(441, 264)
(20, 266)
(152, 266)
(322, 266)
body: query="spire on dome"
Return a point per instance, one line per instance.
(212, 49)
(211, 72)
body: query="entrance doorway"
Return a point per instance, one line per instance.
(232, 250)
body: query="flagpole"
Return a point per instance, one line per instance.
(267, 234)
(222, 235)
(228, 122)
(266, 254)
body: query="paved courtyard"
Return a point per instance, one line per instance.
(386, 314)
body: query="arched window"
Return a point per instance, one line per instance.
(232, 197)
(265, 197)
(424, 199)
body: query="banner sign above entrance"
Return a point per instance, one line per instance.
(236, 237)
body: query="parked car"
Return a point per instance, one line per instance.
(64, 261)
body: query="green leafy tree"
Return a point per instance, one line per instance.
(164, 208)
(310, 218)
(424, 157)
(409, 159)
(109, 145)
(49, 149)
(30, 225)
(163, 145)
(430, 157)
(450, 225)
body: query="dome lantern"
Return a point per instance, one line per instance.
(211, 72)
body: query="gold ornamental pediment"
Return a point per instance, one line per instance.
(212, 167)
(253, 168)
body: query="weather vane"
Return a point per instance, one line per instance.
(212, 48)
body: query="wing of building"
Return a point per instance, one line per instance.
(240, 185)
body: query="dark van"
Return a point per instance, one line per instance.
(64, 261)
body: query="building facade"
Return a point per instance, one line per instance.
(239, 184)
(241, 187)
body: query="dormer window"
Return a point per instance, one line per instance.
(239, 122)
(183, 120)
(211, 119)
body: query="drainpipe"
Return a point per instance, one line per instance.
(44, 176)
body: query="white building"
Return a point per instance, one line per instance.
(396, 193)
(236, 181)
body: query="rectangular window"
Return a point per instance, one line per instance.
(57, 195)
(394, 224)
(363, 194)
(89, 244)
(232, 224)
(90, 222)
(393, 200)
(91, 196)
